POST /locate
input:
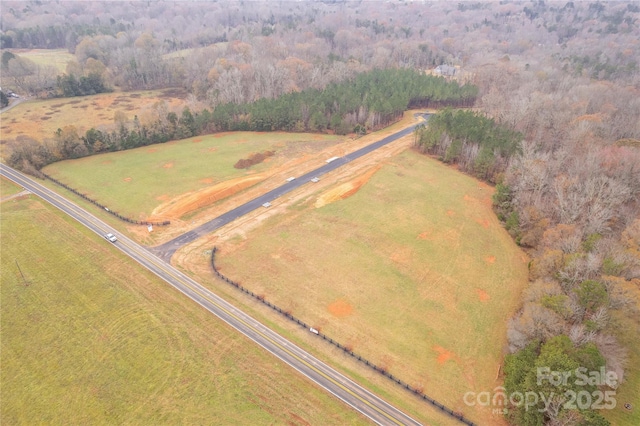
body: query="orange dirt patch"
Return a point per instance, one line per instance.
(340, 308)
(483, 295)
(197, 140)
(191, 201)
(443, 354)
(127, 179)
(490, 259)
(451, 213)
(163, 197)
(206, 180)
(424, 235)
(402, 256)
(484, 222)
(167, 165)
(152, 150)
(346, 189)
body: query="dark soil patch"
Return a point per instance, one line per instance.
(135, 95)
(45, 118)
(174, 93)
(74, 102)
(56, 106)
(255, 158)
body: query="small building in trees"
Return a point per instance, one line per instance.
(445, 70)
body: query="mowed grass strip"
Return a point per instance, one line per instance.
(136, 181)
(88, 337)
(40, 119)
(413, 272)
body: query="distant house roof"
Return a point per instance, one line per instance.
(445, 70)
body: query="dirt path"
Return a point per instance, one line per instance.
(19, 194)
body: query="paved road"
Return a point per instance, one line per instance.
(340, 386)
(15, 103)
(166, 250)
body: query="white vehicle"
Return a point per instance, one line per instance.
(313, 330)
(111, 237)
(266, 205)
(290, 179)
(315, 179)
(332, 159)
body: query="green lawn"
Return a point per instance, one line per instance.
(88, 337)
(414, 272)
(134, 182)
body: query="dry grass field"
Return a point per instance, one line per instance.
(410, 268)
(58, 58)
(39, 119)
(88, 337)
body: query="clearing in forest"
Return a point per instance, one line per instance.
(411, 268)
(83, 343)
(41, 118)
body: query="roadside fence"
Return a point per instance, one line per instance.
(347, 350)
(119, 216)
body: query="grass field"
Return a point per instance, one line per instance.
(90, 338)
(57, 58)
(39, 119)
(413, 271)
(134, 182)
(628, 326)
(8, 188)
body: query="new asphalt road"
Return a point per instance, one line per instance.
(166, 250)
(343, 388)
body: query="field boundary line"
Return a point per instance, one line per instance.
(381, 370)
(105, 208)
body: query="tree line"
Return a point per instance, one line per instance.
(570, 196)
(366, 102)
(575, 210)
(479, 145)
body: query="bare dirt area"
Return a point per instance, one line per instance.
(195, 200)
(209, 207)
(346, 189)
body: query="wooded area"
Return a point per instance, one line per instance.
(555, 91)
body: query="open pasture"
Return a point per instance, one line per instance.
(137, 182)
(411, 270)
(57, 58)
(84, 343)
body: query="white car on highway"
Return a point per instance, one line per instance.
(111, 237)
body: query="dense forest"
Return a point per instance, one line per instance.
(555, 94)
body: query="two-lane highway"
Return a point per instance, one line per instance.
(167, 249)
(342, 387)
